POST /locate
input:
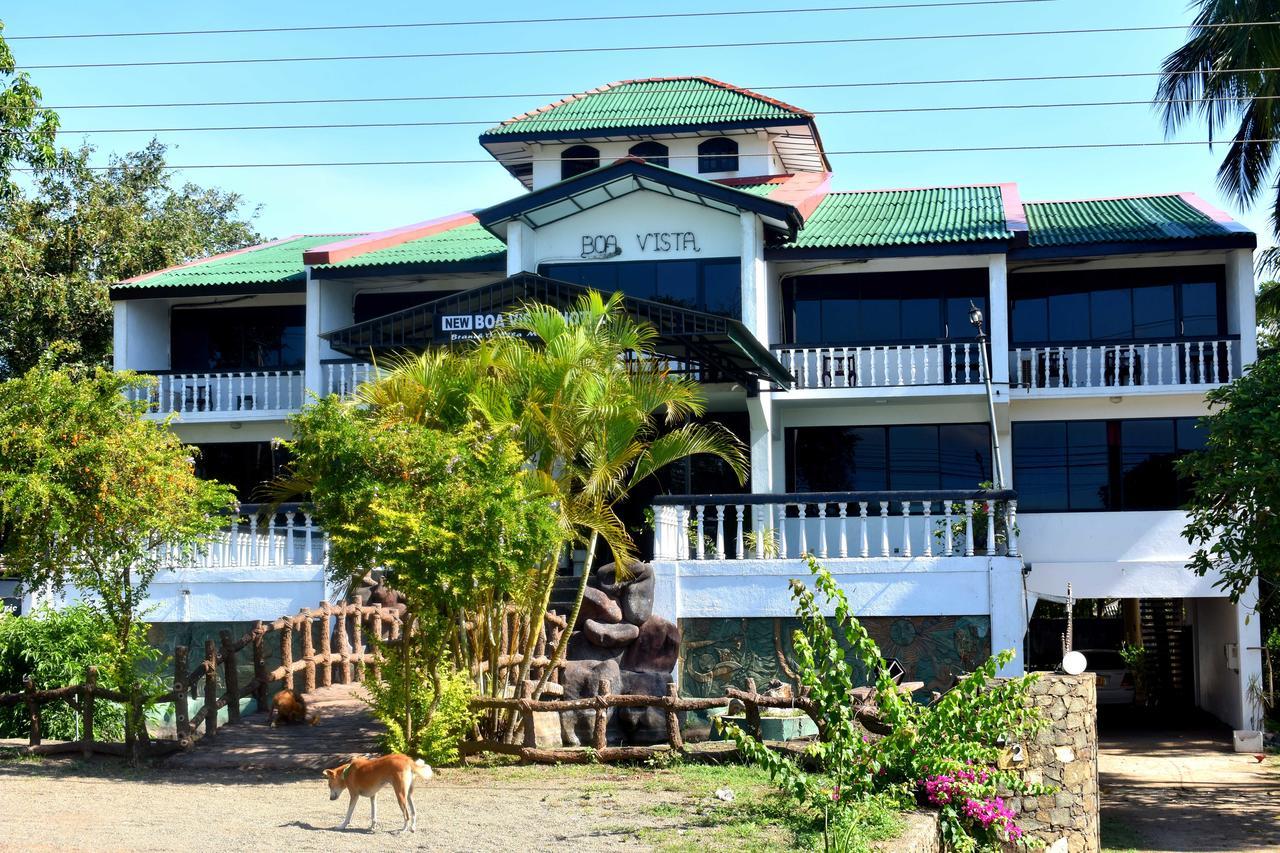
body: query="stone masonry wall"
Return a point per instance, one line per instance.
(1064, 754)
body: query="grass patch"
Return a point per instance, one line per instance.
(1119, 837)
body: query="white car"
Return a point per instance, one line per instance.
(1115, 681)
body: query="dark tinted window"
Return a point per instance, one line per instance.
(1199, 309)
(877, 458)
(882, 308)
(577, 159)
(718, 155)
(1153, 312)
(232, 339)
(652, 152)
(1069, 317)
(370, 305)
(713, 286)
(245, 466)
(1102, 465)
(1111, 314)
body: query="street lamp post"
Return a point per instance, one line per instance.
(975, 319)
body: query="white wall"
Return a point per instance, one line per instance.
(234, 595)
(141, 333)
(631, 221)
(952, 586)
(755, 156)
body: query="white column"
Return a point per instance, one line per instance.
(120, 336)
(998, 320)
(313, 377)
(760, 414)
(1007, 610)
(755, 280)
(1241, 313)
(1249, 636)
(520, 249)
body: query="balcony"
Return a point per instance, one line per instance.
(846, 525)
(1124, 367)
(894, 366)
(343, 376)
(235, 396)
(256, 540)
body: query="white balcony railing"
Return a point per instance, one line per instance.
(944, 523)
(287, 538)
(215, 394)
(1125, 365)
(343, 377)
(883, 366)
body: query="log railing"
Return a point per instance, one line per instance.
(352, 661)
(604, 700)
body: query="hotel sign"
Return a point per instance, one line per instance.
(602, 246)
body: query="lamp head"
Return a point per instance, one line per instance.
(975, 316)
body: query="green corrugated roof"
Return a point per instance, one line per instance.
(1117, 220)
(278, 262)
(905, 218)
(645, 103)
(466, 243)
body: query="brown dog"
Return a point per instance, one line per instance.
(289, 708)
(365, 777)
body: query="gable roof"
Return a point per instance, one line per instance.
(1172, 218)
(941, 219)
(622, 177)
(275, 266)
(464, 245)
(665, 102)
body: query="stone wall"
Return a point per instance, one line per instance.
(1064, 754)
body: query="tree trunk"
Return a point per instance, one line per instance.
(573, 615)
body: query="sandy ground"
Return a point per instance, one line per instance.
(1187, 791)
(73, 806)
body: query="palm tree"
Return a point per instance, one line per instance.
(1224, 75)
(595, 407)
(1268, 318)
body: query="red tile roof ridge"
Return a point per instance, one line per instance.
(804, 191)
(221, 255)
(333, 253)
(1015, 215)
(755, 181)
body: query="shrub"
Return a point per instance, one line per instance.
(437, 742)
(54, 647)
(961, 735)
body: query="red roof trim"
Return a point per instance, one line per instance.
(804, 191)
(755, 181)
(1222, 218)
(1015, 216)
(146, 275)
(333, 253)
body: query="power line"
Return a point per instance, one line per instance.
(649, 118)
(629, 48)
(606, 92)
(492, 22)
(858, 152)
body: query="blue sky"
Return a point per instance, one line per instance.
(324, 200)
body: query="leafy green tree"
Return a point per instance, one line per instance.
(452, 516)
(1224, 74)
(90, 490)
(1232, 520)
(1268, 318)
(79, 230)
(27, 131)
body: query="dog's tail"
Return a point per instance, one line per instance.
(422, 769)
(314, 719)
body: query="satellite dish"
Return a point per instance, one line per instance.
(1074, 663)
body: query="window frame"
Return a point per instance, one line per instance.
(700, 265)
(575, 161)
(663, 159)
(711, 161)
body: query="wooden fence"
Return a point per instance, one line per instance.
(319, 664)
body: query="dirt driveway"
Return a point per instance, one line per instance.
(64, 805)
(1186, 791)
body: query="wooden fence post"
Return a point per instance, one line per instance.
(602, 693)
(526, 708)
(33, 710)
(377, 635)
(286, 653)
(308, 651)
(230, 677)
(344, 645)
(357, 631)
(181, 691)
(753, 710)
(326, 646)
(674, 736)
(86, 708)
(210, 689)
(260, 665)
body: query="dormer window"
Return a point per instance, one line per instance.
(718, 155)
(577, 159)
(651, 152)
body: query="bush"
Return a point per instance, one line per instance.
(54, 647)
(947, 749)
(450, 722)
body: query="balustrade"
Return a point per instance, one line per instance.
(236, 392)
(958, 363)
(1125, 365)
